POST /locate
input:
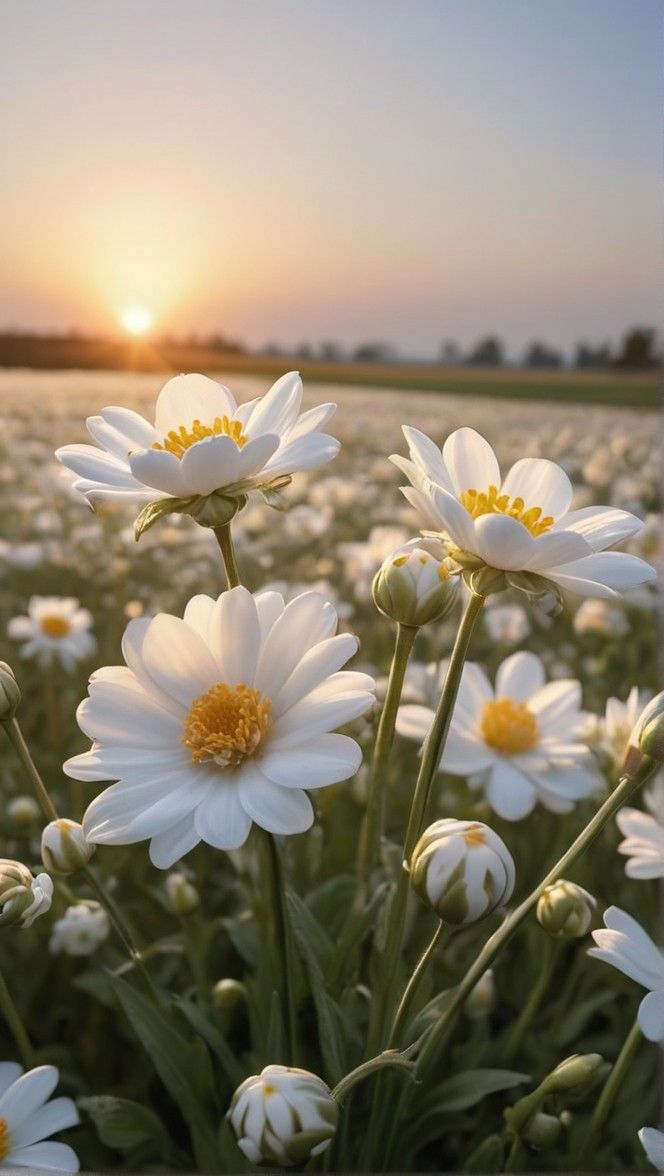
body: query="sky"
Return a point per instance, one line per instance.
(289, 170)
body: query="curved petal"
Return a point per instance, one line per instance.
(210, 464)
(464, 757)
(27, 1093)
(519, 677)
(276, 412)
(426, 454)
(311, 421)
(652, 1142)
(554, 702)
(308, 619)
(324, 760)
(279, 810)
(470, 461)
(130, 425)
(556, 547)
(97, 466)
(159, 468)
(55, 1115)
(167, 848)
(539, 483)
(178, 660)
(49, 1156)
(185, 399)
(220, 819)
(603, 574)
(198, 615)
(325, 658)
(305, 453)
(502, 542)
(452, 517)
(601, 526)
(235, 637)
(414, 721)
(651, 1016)
(509, 793)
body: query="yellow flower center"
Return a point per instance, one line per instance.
(475, 836)
(480, 502)
(4, 1139)
(508, 726)
(54, 626)
(179, 440)
(226, 725)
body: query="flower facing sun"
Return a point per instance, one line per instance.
(521, 743)
(521, 523)
(55, 629)
(219, 720)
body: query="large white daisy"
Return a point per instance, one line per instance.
(28, 1115)
(520, 742)
(520, 523)
(218, 720)
(201, 441)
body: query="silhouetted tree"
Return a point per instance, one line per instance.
(638, 349)
(450, 353)
(540, 355)
(331, 352)
(373, 353)
(487, 353)
(586, 356)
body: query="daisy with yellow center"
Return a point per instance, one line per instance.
(519, 523)
(521, 742)
(56, 629)
(219, 720)
(28, 1115)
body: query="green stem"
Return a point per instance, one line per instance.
(390, 1057)
(414, 983)
(532, 1004)
(282, 938)
(609, 1094)
(15, 736)
(513, 1159)
(15, 1024)
(433, 747)
(225, 541)
(122, 931)
(433, 1037)
(374, 817)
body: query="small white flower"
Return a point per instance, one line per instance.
(627, 947)
(520, 742)
(644, 835)
(462, 869)
(609, 736)
(55, 629)
(80, 931)
(521, 523)
(600, 616)
(283, 1116)
(506, 623)
(219, 720)
(652, 1142)
(201, 441)
(28, 1115)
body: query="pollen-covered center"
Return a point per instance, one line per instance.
(53, 626)
(491, 501)
(4, 1139)
(508, 726)
(179, 440)
(226, 725)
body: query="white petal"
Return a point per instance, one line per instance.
(305, 453)
(133, 429)
(324, 760)
(304, 622)
(603, 574)
(55, 1115)
(256, 453)
(9, 1072)
(210, 464)
(429, 516)
(540, 483)
(132, 650)
(127, 717)
(161, 469)
(470, 461)
(509, 793)
(235, 637)
(652, 1142)
(185, 399)
(464, 757)
(178, 659)
(28, 1093)
(46, 1157)
(198, 614)
(556, 701)
(519, 677)
(426, 454)
(601, 526)
(220, 819)
(277, 411)
(311, 421)
(502, 542)
(269, 607)
(167, 848)
(414, 721)
(452, 517)
(316, 716)
(556, 547)
(97, 466)
(651, 1016)
(317, 663)
(279, 810)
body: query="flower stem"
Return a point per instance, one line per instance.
(532, 1004)
(385, 997)
(391, 1057)
(609, 1094)
(122, 931)
(15, 736)
(432, 1039)
(282, 939)
(225, 541)
(15, 1024)
(374, 817)
(414, 983)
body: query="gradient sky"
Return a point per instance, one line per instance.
(311, 169)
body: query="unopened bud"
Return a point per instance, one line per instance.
(182, 896)
(543, 1130)
(481, 999)
(462, 869)
(64, 847)
(283, 1116)
(228, 994)
(22, 897)
(23, 812)
(10, 695)
(414, 588)
(645, 748)
(579, 1073)
(565, 910)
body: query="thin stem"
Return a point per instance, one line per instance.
(282, 938)
(15, 1024)
(534, 1000)
(609, 1094)
(391, 1057)
(225, 541)
(414, 983)
(122, 931)
(431, 753)
(433, 1037)
(15, 736)
(374, 817)
(512, 1161)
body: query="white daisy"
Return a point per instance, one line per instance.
(521, 523)
(218, 720)
(627, 947)
(644, 835)
(520, 742)
(28, 1115)
(652, 1142)
(609, 735)
(55, 629)
(201, 441)
(80, 931)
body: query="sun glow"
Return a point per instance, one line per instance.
(137, 320)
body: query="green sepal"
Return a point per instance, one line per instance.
(272, 495)
(154, 511)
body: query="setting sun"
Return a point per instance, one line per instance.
(137, 319)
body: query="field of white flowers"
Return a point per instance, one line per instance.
(152, 1094)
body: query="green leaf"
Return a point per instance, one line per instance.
(154, 511)
(215, 1039)
(469, 1087)
(275, 1041)
(124, 1124)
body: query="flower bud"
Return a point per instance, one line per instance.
(22, 897)
(462, 869)
(227, 994)
(645, 748)
(10, 695)
(579, 1073)
(565, 910)
(64, 847)
(182, 896)
(481, 999)
(543, 1130)
(283, 1116)
(22, 813)
(413, 587)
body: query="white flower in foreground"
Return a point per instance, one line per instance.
(55, 629)
(22, 897)
(202, 441)
(644, 836)
(283, 1116)
(28, 1115)
(80, 931)
(462, 869)
(520, 742)
(520, 523)
(652, 1142)
(626, 946)
(218, 720)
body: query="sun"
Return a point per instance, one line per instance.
(137, 320)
